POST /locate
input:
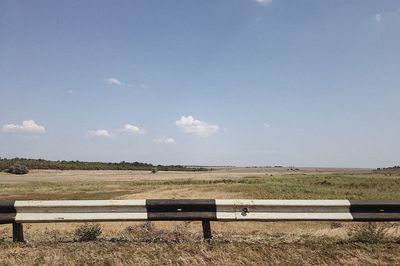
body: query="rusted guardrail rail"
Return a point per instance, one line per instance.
(205, 210)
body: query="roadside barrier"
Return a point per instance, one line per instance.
(205, 210)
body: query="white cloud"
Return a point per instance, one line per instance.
(100, 133)
(378, 18)
(266, 125)
(196, 127)
(165, 140)
(113, 81)
(128, 129)
(28, 126)
(387, 16)
(264, 2)
(132, 129)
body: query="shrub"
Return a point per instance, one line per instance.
(146, 232)
(18, 169)
(154, 170)
(88, 232)
(371, 233)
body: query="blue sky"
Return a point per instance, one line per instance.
(221, 82)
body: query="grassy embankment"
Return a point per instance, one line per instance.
(302, 243)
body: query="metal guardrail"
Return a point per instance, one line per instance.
(205, 210)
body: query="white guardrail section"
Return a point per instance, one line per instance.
(135, 210)
(80, 211)
(283, 210)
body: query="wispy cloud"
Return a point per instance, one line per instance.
(100, 133)
(27, 126)
(378, 18)
(132, 129)
(125, 84)
(113, 81)
(266, 125)
(127, 129)
(165, 140)
(264, 2)
(196, 127)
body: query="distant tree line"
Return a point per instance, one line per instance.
(79, 165)
(396, 167)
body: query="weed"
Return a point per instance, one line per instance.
(370, 233)
(88, 232)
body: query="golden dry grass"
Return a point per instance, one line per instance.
(197, 253)
(171, 243)
(122, 175)
(181, 244)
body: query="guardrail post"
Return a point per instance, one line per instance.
(18, 232)
(206, 230)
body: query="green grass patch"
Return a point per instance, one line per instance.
(289, 186)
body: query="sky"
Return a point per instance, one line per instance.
(211, 82)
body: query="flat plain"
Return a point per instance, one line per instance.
(235, 243)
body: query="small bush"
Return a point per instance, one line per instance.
(88, 232)
(154, 170)
(18, 169)
(370, 233)
(145, 232)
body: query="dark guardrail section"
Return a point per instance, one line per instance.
(371, 210)
(180, 210)
(7, 211)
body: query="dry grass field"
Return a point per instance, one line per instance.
(171, 243)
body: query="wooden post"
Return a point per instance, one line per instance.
(18, 232)
(206, 230)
